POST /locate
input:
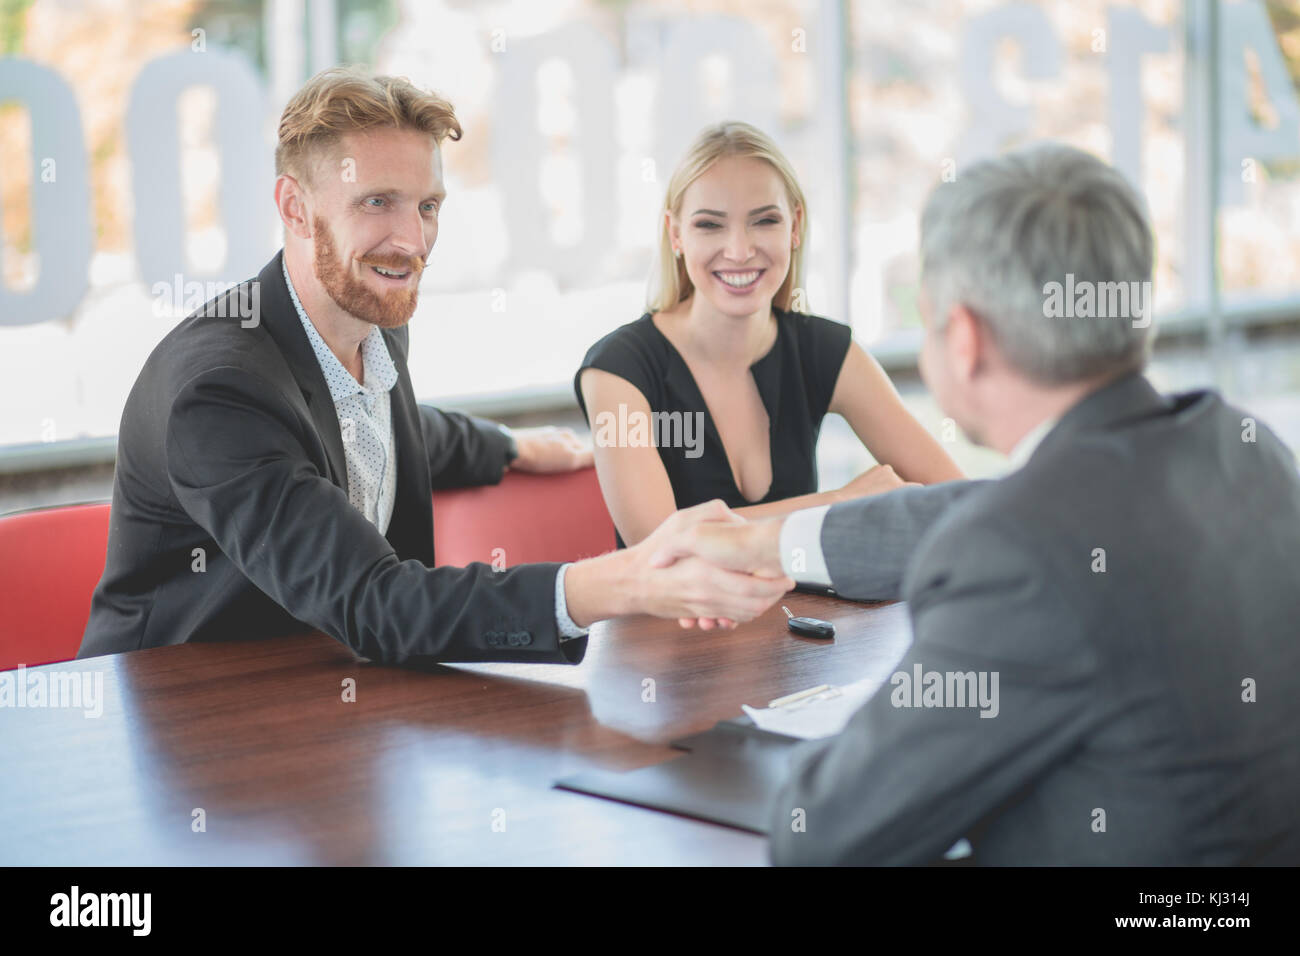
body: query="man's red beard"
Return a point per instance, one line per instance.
(388, 310)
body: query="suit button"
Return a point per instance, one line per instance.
(493, 638)
(520, 639)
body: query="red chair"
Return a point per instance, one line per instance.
(559, 517)
(50, 561)
(52, 558)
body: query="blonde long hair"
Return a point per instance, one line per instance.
(669, 283)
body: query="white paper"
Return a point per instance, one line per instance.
(817, 717)
(824, 717)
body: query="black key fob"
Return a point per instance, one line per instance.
(809, 626)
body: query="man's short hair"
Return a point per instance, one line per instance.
(344, 100)
(1000, 235)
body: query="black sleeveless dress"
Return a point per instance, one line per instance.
(795, 380)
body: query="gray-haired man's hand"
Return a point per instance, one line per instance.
(738, 546)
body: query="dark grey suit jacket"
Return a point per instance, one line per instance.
(230, 443)
(1125, 730)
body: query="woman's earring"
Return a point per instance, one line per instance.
(677, 253)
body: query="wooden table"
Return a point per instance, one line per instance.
(431, 765)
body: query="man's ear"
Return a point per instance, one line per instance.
(291, 203)
(966, 339)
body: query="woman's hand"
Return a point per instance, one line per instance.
(874, 481)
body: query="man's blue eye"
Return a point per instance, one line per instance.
(375, 199)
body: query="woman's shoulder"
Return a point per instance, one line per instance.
(810, 325)
(820, 341)
(821, 346)
(635, 352)
(636, 338)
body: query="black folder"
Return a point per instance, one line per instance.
(729, 775)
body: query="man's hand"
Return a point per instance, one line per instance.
(751, 547)
(550, 449)
(699, 575)
(740, 546)
(684, 587)
(691, 590)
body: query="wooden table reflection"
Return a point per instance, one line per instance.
(436, 764)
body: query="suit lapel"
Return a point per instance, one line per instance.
(326, 418)
(282, 322)
(410, 530)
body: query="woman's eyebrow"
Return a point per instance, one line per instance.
(752, 212)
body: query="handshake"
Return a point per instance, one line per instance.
(706, 566)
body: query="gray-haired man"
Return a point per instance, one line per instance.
(1129, 590)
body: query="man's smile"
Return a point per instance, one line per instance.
(395, 271)
(391, 274)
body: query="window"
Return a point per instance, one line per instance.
(139, 187)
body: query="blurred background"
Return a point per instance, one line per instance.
(136, 178)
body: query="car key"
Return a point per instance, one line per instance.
(809, 626)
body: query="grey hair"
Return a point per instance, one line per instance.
(997, 237)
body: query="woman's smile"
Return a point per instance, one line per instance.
(739, 282)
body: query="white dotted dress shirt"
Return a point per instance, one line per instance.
(365, 418)
(366, 424)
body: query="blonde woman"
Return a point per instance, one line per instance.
(719, 389)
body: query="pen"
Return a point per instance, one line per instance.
(791, 698)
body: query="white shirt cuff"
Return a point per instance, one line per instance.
(563, 622)
(801, 546)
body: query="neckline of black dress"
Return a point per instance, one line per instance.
(708, 412)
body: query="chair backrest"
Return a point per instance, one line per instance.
(557, 517)
(52, 558)
(50, 561)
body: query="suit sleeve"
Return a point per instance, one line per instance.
(464, 451)
(868, 542)
(237, 460)
(901, 784)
